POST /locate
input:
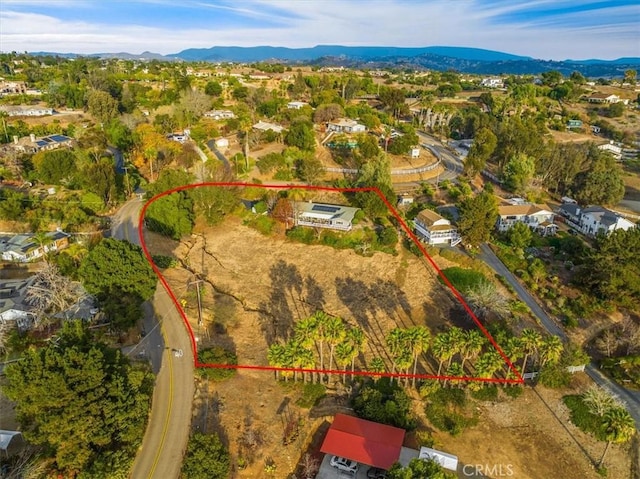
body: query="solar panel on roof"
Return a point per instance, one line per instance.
(41, 143)
(59, 138)
(325, 208)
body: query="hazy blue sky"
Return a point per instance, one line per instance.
(547, 29)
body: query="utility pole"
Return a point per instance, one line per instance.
(197, 283)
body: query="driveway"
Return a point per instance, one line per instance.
(631, 399)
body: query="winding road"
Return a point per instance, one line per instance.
(630, 398)
(165, 439)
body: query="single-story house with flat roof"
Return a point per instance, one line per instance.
(320, 215)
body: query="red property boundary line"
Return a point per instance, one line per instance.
(409, 233)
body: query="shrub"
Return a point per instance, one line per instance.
(163, 261)
(513, 391)
(263, 224)
(445, 409)
(582, 417)
(555, 376)
(463, 279)
(384, 401)
(218, 356)
(311, 393)
(303, 235)
(487, 393)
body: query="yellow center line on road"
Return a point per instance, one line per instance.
(166, 420)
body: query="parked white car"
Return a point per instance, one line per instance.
(344, 464)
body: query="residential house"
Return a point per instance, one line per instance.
(492, 82)
(594, 220)
(320, 215)
(222, 143)
(14, 309)
(32, 144)
(345, 125)
(220, 114)
(574, 124)
(538, 218)
(433, 229)
(12, 88)
(23, 248)
(296, 105)
(22, 110)
(603, 98)
(266, 126)
(611, 147)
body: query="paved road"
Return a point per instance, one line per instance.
(630, 398)
(165, 439)
(451, 161)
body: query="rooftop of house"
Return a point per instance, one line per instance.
(344, 122)
(23, 243)
(324, 211)
(429, 217)
(522, 210)
(265, 126)
(601, 96)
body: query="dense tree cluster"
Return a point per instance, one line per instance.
(83, 402)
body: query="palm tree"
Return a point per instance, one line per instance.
(320, 318)
(456, 339)
(619, 428)
(418, 338)
(43, 239)
(344, 355)
(551, 350)
(472, 345)
(275, 356)
(3, 116)
(514, 350)
(404, 362)
(396, 342)
(335, 332)
(442, 349)
(357, 340)
(455, 370)
(531, 340)
(305, 332)
(377, 365)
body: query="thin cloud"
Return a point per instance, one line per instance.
(542, 28)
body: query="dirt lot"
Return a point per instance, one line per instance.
(258, 287)
(532, 437)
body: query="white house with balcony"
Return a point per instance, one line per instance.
(433, 229)
(538, 218)
(321, 215)
(594, 220)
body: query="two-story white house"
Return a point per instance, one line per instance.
(595, 220)
(321, 215)
(538, 218)
(433, 229)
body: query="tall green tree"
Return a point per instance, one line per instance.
(478, 215)
(301, 135)
(612, 268)
(117, 266)
(83, 402)
(102, 105)
(602, 184)
(206, 458)
(518, 173)
(484, 144)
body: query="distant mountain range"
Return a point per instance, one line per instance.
(461, 59)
